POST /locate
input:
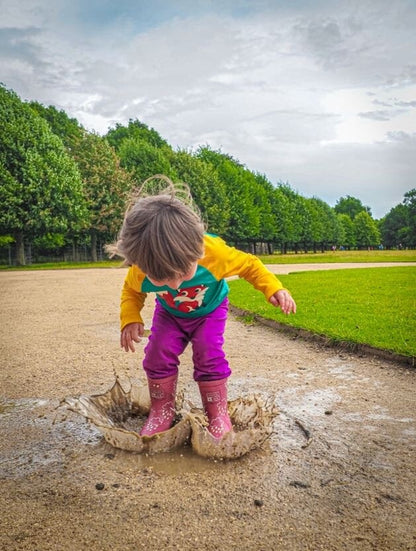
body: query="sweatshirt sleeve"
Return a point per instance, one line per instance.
(132, 298)
(226, 261)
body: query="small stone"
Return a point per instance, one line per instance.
(299, 484)
(109, 456)
(328, 412)
(258, 502)
(100, 486)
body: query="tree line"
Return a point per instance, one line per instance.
(62, 186)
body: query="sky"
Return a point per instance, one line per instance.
(319, 94)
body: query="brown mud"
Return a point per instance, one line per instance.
(337, 473)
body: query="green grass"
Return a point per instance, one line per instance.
(340, 256)
(374, 306)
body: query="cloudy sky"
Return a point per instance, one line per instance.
(317, 93)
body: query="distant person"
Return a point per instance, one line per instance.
(163, 241)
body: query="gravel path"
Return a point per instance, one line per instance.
(350, 486)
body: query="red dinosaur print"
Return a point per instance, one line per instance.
(187, 300)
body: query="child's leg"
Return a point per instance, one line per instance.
(166, 343)
(212, 369)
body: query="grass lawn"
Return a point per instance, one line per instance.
(375, 306)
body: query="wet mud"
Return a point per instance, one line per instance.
(336, 472)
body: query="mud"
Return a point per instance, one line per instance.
(338, 471)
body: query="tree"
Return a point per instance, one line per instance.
(410, 203)
(137, 131)
(366, 231)
(394, 227)
(350, 206)
(106, 187)
(347, 233)
(207, 189)
(324, 226)
(244, 222)
(68, 129)
(41, 189)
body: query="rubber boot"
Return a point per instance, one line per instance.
(214, 400)
(162, 405)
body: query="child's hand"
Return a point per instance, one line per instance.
(283, 299)
(130, 334)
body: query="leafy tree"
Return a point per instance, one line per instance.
(207, 189)
(366, 230)
(295, 218)
(105, 187)
(137, 131)
(143, 159)
(41, 189)
(410, 203)
(324, 226)
(262, 198)
(394, 226)
(244, 220)
(68, 129)
(347, 233)
(350, 206)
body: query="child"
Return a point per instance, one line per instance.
(163, 241)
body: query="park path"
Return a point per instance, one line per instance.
(338, 473)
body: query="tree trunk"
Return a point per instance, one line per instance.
(20, 249)
(94, 246)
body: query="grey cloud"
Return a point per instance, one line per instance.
(376, 115)
(381, 115)
(406, 103)
(403, 137)
(19, 44)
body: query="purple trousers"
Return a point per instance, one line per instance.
(170, 335)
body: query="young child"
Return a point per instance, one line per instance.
(163, 241)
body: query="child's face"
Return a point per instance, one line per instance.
(175, 282)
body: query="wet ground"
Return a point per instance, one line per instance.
(337, 473)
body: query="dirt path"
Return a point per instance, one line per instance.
(351, 488)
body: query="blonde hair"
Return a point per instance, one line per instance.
(162, 232)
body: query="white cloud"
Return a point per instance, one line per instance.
(317, 96)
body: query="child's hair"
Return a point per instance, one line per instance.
(161, 234)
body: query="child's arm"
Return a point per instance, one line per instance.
(227, 261)
(132, 302)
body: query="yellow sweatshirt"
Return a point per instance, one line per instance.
(205, 291)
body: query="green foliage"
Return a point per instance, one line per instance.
(143, 159)
(6, 240)
(50, 241)
(68, 129)
(410, 202)
(41, 187)
(136, 131)
(347, 234)
(244, 222)
(366, 231)
(351, 206)
(208, 191)
(105, 184)
(353, 306)
(45, 193)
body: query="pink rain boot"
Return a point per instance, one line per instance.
(162, 408)
(214, 400)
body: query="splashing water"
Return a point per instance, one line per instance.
(119, 416)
